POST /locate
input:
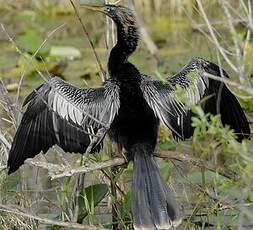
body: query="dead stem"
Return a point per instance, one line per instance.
(8, 209)
(102, 72)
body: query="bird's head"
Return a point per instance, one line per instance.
(120, 14)
(108, 9)
(127, 29)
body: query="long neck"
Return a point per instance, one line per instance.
(127, 41)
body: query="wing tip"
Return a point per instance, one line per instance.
(12, 167)
(10, 171)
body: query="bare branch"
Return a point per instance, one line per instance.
(92, 167)
(240, 66)
(33, 56)
(220, 22)
(9, 105)
(3, 167)
(29, 60)
(197, 162)
(250, 15)
(145, 36)
(217, 44)
(4, 141)
(20, 52)
(244, 88)
(7, 209)
(102, 72)
(57, 171)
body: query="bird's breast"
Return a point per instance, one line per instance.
(135, 121)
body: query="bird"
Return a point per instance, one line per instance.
(128, 107)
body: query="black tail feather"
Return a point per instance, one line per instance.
(153, 206)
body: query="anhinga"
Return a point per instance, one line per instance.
(129, 106)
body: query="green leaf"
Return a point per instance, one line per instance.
(89, 198)
(31, 41)
(125, 209)
(54, 227)
(127, 202)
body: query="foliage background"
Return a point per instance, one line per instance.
(211, 174)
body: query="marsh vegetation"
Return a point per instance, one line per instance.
(211, 174)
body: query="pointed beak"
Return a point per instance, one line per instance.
(95, 8)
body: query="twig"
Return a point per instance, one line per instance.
(225, 80)
(52, 168)
(94, 140)
(217, 44)
(250, 19)
(197, 162)
(79, 185)
(4, 141)
(8, 103)
(114, 197)
(7, 209)
(3, 167)
(204, 191)
(5, 146)
(32, 57)
(110, 42)
(102, 72)
(92, 167)
(20, 52)
(117, 186)
(29, 60)
(220, 22)
(240, 66)
(146, 37)
(250, 30)
(244, 88)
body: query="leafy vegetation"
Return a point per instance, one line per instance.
(211, 174)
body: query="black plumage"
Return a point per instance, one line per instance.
(129, 106)
(59, 113)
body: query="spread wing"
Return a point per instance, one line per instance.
(58, 113)
(169, 100)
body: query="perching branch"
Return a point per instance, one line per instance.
(57, 171)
